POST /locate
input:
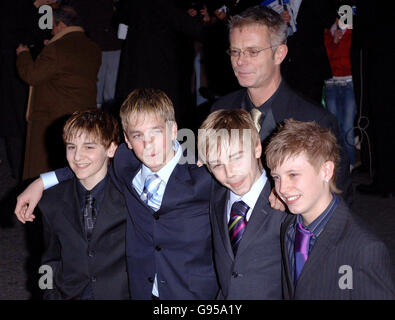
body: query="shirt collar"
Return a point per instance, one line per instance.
(266, 105)
(318, 225)
(166, 171)
(251, 197)
(97, 191)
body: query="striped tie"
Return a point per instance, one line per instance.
(301, 247)
(149, 195)
(237, 223)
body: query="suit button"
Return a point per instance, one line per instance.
(235, 274)
(157, 248)
(156, 216)
(93, 279)
(150, 279)
(91, 254)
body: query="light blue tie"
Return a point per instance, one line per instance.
(149, 195)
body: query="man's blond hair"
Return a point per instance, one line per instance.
(296, 137)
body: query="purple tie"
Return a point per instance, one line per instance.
(302, 241)
(237, 223)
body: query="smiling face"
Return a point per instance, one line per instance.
(235, 167)
(151, 139)
(88, 159)
(302, 187)
(258, 72)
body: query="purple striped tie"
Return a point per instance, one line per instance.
(237, 223)
(302, 242)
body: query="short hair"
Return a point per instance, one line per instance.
(216, 131)
(95, 123)
(146, 101)
(296, 137)
(68, 15)
(264, 16)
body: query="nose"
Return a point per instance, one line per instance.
(148, 139)
(241, 59)
(229, 170)
(77, 154)
(283, 186)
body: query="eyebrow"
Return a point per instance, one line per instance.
(236, 154)
(85, 143)
(141, 131)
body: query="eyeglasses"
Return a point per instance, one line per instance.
(249, 52)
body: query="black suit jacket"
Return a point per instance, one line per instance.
(75, 262)
(173, 242)
(288, 104)
(255, 272)
(345, 241)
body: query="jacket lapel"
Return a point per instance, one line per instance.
(290, 219)
(257, 218)
(176, 186)
(219, 205)
(71, 208)
(326, 241)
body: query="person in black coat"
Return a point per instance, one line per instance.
(153, 50)
(18, 24)
(306, 66)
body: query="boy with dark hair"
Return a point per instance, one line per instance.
(327, 252)
(84, 218)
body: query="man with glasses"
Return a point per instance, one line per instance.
(257, 48)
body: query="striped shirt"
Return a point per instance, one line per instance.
(316, 227)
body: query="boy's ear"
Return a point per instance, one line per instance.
(111, 149)
(127, 140)
(258, 150)
(174, 130)
(328, 168)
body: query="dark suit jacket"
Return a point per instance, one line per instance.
(255, 272)
(174, 242)
(74, 262)
(344, 241)
(288, 104)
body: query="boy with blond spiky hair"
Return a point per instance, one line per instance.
(327, 252)
(246, 230)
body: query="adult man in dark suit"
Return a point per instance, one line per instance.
(245, 227)
(63, 80)
(257, 49)
(327, 252)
